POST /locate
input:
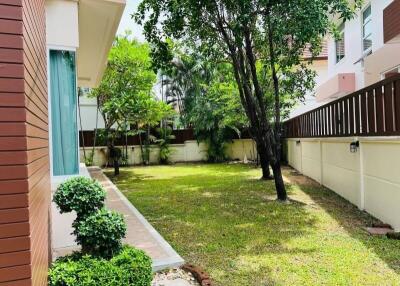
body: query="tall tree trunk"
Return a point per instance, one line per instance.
(116, 166)
(141, 147)
(279, 184)
(252, 98)
(266, 173)
(276, 164)
(126, 143)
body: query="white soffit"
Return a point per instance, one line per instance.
(98, 24)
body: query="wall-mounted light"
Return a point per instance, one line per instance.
(354, 146)
(298, 142)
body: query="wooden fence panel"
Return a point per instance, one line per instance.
(397, 104)
(371, 111)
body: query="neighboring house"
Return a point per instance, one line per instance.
(90, 117)
(367, 52)
(350, 141)
(47, 49)
(320, 66)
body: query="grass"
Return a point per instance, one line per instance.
(224, 219)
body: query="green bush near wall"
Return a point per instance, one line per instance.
(131, 267)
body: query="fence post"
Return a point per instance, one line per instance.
(301, 156)
(321, 162)
(362, 187)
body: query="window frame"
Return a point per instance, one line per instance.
(365, 22)
(342, 38)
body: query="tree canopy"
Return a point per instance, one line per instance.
(126, 91)
(257, 37)
(125, 95)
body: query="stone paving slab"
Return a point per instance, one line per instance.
(140, 233)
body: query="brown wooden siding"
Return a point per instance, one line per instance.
(24, 156)
(391, 21)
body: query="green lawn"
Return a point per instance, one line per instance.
(224, 219)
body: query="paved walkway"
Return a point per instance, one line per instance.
(140, 233)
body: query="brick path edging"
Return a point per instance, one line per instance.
(201, 276)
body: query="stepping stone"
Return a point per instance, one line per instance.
(378, 231)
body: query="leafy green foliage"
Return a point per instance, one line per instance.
(80, 194)
(101, 233)
(136, 263)
(125, 90)
(125, 95)
(208, 100)
(130, 267)
(164, 143)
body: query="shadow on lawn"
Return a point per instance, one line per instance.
(352, 220)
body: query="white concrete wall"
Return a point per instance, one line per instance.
(369, 178)
(353, 44)
(238, 149)
(190, 151)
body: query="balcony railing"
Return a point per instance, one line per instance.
(371, 111)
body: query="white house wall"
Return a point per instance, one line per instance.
(321, 68)
(62, 27)
(385, 59)
(88, 111)
(352, 62)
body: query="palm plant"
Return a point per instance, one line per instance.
(164, 143)
(205, 94)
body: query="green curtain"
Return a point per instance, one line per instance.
(63, 93)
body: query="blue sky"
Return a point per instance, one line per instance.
(129, 24)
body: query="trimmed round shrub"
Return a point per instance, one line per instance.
(129, 267)
(101, 233)
(80, 194)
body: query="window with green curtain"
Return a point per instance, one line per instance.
(63, 94)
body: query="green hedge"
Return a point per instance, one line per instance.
(131, 267)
